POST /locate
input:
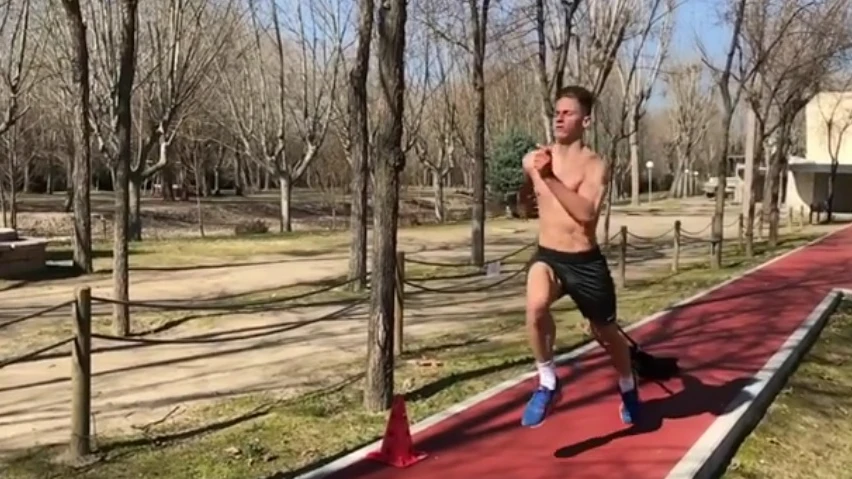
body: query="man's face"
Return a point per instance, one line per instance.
(569, 119)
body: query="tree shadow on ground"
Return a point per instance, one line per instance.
(46, 273)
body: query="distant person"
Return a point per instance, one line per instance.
(569, 180)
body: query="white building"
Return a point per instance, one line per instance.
(808, 178)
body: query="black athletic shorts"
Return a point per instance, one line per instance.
(585, 277)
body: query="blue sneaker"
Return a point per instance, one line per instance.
(540, 405)
(630, 405)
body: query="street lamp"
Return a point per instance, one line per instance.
(695, 181)
(650, 165)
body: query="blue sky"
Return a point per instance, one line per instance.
(700, 19)
(696, 20)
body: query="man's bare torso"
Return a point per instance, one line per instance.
(557, 228)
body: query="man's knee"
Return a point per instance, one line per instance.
(542, 288)
(538, 312)
(606, 332)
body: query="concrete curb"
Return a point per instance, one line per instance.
(711, 454)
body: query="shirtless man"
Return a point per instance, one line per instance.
(569, 180)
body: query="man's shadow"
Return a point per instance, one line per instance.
(695, 398)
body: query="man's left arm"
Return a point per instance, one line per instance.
(584, 204)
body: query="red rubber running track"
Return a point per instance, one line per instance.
(723, 339)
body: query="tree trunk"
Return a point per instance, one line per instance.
(239, 182)
(68, 205)
(360, 149)
(438, 177)
(25, 188)
(135, 195)
(78, 179)
(389, 163)
(124, 116)
(752, 199)
(199, 188)
(611, 166)
(168, 176)
(832, 187)
(13, 179)
(771, 191)
(358, 221)
(635, 165)
(719, 211)
(676, 190)
(49, 179)
(285, 188)
(479, 27)
(3, 202)
(544, 86)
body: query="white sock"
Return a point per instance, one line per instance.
(626, 383)
(547, 374)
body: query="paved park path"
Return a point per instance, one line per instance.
(725, 340)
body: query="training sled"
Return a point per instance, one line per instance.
(648, 366)
(712, 365)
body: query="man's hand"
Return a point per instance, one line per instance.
(533, 162)
(543, 162)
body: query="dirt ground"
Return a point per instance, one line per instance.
(43, 215)
(280, 351)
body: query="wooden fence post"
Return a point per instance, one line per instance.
(676, 247)
(801, 216)
(622, 265)
(81, 374)
(399, 305)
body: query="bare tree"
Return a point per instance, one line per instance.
(359, 133)
(17, 55)
(185, 38)
(808, 54)
(419, 85)
(637, 75)
(766, 32)
(478, 40)
(390, 161)
(729, 102)
(115, 57)
(559, 42)
(435, 145)
(690, 115)
(295, 89)
(59, 96)
(16, 59)
(837, 118)
(653, 40)
(604, 27)
(599, 36)
(18, 156)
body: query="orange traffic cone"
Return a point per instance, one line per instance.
(397, 447)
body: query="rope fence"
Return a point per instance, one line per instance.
(620, 247)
